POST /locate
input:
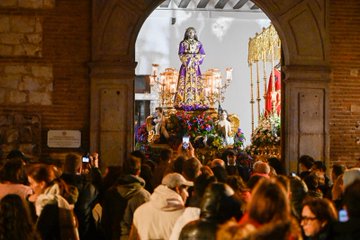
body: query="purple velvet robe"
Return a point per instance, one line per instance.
(190, 89)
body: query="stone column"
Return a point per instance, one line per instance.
(306, 114)
(112, 111)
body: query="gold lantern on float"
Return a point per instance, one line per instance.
(264, 49)
(215, 86)
(165, 84)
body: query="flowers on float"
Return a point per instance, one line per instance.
(141, 134)
(193, 124)
(266, 137)
(239, 139)
(193, 107)
(200, 126)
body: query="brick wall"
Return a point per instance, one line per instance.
(53, 37)
(345, 84)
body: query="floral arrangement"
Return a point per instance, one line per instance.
(192, 123)
(265, 139)
(194, 107)
(200, 126)
(141, 138)
(141, 134)
(239, 139)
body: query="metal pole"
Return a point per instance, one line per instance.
(252, 99)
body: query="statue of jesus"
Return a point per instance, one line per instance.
(190, 90)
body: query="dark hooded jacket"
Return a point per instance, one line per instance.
(87, 195)
(119, 204)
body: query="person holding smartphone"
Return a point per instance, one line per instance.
(185, 148)
(85, 158)
(185, 142)
(349, 229)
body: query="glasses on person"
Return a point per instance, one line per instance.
(307, 219)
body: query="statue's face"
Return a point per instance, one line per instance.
(191, 33)
(223, 115)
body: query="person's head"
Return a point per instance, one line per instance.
(206, 170)
(298, 188)
(166, 155)
(352, 199)
(244, 159)
(237, 184)
(178, 164)
(253, 181)
(261, 167)
(17, 154)
(12, 171)
(305, 163)
(132, 166)
(285, 182)
(200, 184)
(242, 192)
(217, 162)
(269, 202)
(312, 181)
(319, 166)
(277, 165)
(191, 168)
(72, 164)
(298, 191)
(139, 154)
(316, 215)
(218, 202)
(319, 169)
(177, 183)
(110, 175)
(220, 173)
(190, 33)
(229, 156)
(337, 170)
(15, 219)
(40, 177)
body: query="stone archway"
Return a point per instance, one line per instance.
(303, 28)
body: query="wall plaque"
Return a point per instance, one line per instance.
(64, 138)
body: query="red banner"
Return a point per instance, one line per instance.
(273, 98)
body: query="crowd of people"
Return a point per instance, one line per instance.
(175, 196)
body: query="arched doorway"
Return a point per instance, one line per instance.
(302, 27)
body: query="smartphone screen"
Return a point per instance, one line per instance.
(343, 216)
(85, 159)
(185, 142)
